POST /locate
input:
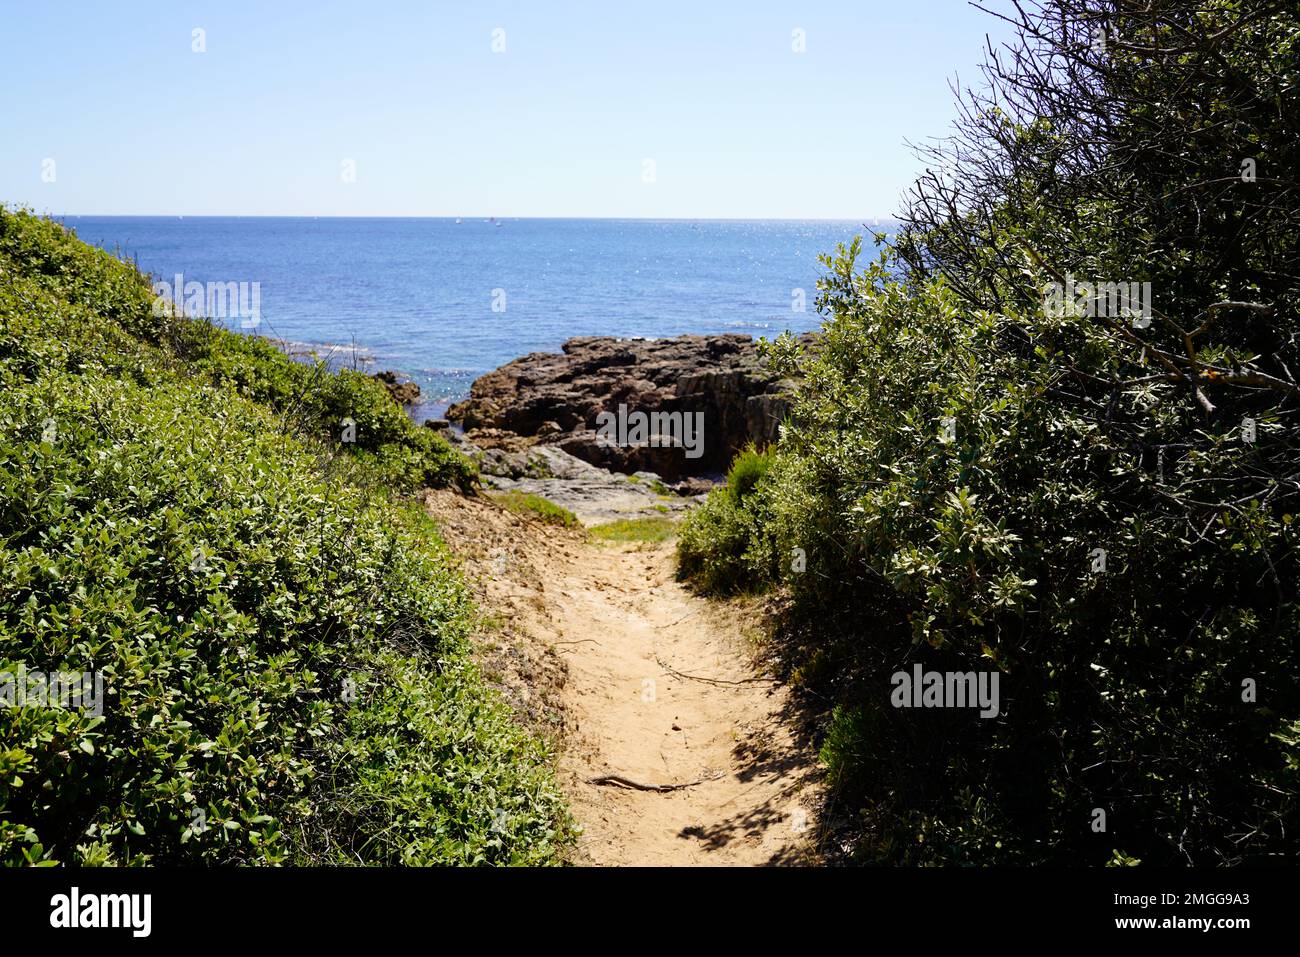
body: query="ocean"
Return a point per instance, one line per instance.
(442, 301)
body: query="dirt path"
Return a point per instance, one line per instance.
(648, 683)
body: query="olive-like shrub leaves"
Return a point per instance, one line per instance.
(282, 647)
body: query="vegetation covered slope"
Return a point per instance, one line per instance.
(282, 644)
(1098, 507)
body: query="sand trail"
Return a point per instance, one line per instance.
(648, 684)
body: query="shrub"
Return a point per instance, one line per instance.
(979, 484)
(283, 650)
(722, 547)
(747, 470)
(316, 402)
(311, 399)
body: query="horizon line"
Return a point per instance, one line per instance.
(474, 216)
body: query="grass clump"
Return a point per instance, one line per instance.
(656, 485)
(651, 529)
(534, 506)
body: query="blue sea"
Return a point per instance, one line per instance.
(444, 300)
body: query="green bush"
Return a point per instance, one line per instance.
(312, 400)
(283, 650)
(1119, 690)
(958, 455)
(722, 546)
(747, 470)
(316, 402)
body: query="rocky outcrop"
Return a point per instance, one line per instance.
(403, 393)
(513, 463)
(555, 399)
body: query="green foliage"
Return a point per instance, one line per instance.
(537, 507)
(389, 449)
(316, 402)
(721, 548)
(747, 470)
(283, 650)
(656, 484)
(1121, 689)
(651, 529)
(712, 543)
(958, 454)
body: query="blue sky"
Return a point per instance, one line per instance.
(561, 123)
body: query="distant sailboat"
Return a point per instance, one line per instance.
(457, 220)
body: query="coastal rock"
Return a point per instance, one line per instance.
(692, 487)
(540, 461)
(555, 399)
(403, 393)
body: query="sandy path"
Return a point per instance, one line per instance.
(616, 634)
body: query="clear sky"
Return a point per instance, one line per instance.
(735, 122)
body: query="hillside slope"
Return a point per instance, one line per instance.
(281, 641)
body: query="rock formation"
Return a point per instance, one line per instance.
(555, 399)
(403, 393)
